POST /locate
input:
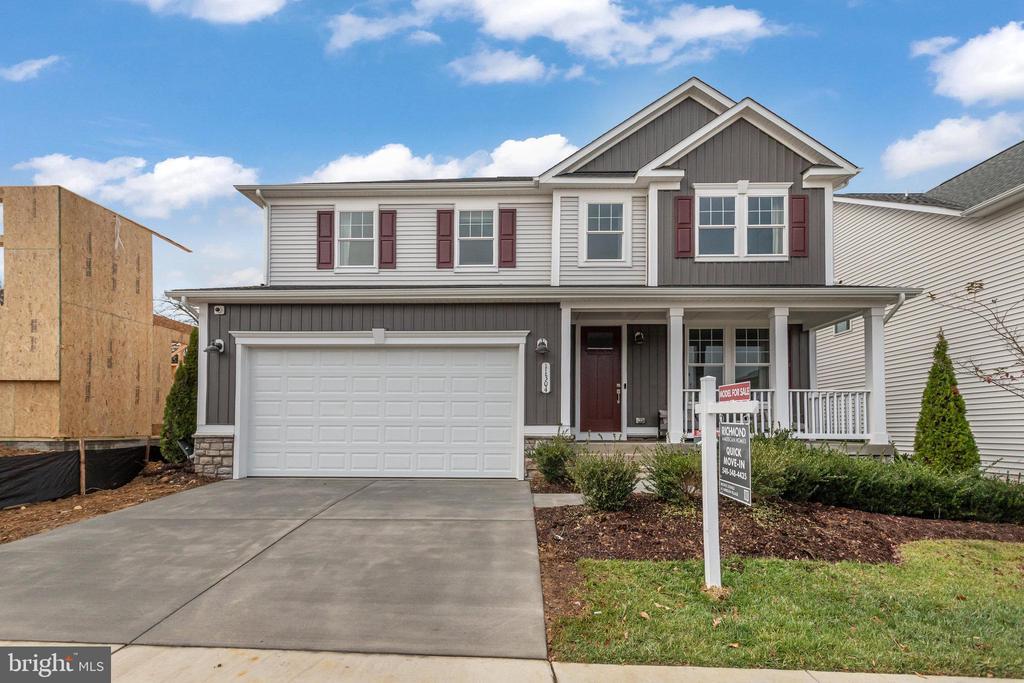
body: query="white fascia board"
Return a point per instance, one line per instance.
(897, 205)
(769, 122)
(380, 338)
(993, 204)
(693, 88)
(316, 191)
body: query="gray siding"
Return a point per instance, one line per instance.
(572, 272)
(742, 152)
(656, 137)
(647, 374)
(799, 357)
(541, 319)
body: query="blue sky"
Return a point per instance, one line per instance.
(156, 107)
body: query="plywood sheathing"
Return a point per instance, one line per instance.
(167, 334)
(30, 314)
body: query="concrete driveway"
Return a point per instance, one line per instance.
(437, 567)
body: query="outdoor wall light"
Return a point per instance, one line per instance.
(639, 338)
(542, 345)
(217, 346)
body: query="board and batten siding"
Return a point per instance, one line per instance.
(941, 254)
(293, 248)
(742, 152)
(542, 320)
(570, 270)
(646, 374)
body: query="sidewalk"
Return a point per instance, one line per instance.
(156, 664)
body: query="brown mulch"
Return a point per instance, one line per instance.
(539, 484)
(155, 481)
(650, 530)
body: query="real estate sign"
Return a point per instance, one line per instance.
(734, 461)
(734, 392)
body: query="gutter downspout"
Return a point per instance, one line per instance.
(899, 302)
(266, 237)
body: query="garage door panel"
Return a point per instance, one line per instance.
(379, 411)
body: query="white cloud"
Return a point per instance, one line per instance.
(931, 46)
(237, 278)
(425, 37)
(172, 184)
(27, 70)
(952, 141)
(598, 29)
(218, 11)
(397, 162)
(499, 66)
(987, 68)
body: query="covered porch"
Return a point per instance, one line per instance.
(632, 371)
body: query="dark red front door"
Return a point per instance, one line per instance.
(600, 379)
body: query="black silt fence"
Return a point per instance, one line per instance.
(48, 476)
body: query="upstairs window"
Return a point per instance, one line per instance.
(743, 220)
(356, 239)
(716, 226)
(604, 232)
(766, 223)
(476, 244)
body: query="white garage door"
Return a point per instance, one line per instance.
(382, 412)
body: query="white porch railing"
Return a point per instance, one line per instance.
(761, 421)
(813, 414)
(816, 414)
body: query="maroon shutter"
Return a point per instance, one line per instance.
(798, 225)
(387, 239)
(507, 238)
(324, 240)
(684, 227)
(445, 238)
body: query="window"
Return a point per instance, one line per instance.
(753, 356)
(841, 326)
(705, 355)
(356, 243)
(604, 232)
(766, 222)
(716, 226)
(476, 238)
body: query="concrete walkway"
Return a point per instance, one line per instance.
(185, 665)
(433, 567)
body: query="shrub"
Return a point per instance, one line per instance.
(180, 407)
(797, 471)
(943, 439)
(553, 456)
(673, 473)
(606, 482)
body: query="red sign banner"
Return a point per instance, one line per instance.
(734, 392)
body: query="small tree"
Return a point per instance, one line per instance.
(180, 408)
(943, 439)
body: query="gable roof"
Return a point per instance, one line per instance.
(693, 88)
(981, 189)
(826, 161)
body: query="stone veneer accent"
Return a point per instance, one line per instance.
(214, 456)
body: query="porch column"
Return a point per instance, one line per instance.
(874, 374)
(676, 344)
(780, 366)
(565, 369)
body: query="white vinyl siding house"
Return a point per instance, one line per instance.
(292, 253)
(940, 253)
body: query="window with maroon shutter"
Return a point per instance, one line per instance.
(388, 220)
(445, 238)
(324, 240)
(798, 225)
(507, 238)
(684, 227)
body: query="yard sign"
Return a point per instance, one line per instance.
(708, 410)
(734, 461)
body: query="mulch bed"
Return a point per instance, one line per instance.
(156, 481)
(651, 530)
(539, 484)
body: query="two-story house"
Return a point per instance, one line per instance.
(428, 327)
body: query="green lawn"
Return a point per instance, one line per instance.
(951, 607)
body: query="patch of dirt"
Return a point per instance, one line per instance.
(539, 484)
(650, 530)
(155, 481)
(7, 450)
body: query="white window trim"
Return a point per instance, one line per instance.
(741, 190)
(735, 343)
(729, 352)
(835, 327)
(375, 267)
(627, 230)
(486, 268)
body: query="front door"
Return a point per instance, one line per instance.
(601, 379)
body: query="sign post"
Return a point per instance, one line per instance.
(735, 400)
